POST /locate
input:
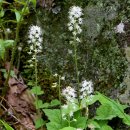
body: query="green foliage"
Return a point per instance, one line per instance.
(12, 74)
(4, 44)
(37, 90)
(110, 109)
(55, 117)
(99, 58)
(39, 104)
(18, 15)
(79, 123)
(39, 123)
(106, 111)
(6, 125)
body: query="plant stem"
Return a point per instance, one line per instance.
(12, 59)
(60, 96)
(14, 48)
(36, 77)
(36, 85)
(76, 69)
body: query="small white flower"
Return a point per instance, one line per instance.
(8, 30)
(40, 48)
(71, 114)
(70, 28)
(31, 65)
(65, 106)
(80, 20)
(78, 40)
(74, 33)
(72, 21)
(37, 35)
(29, 61)
(33, 57)
(55, 75)
(62, 78)
(40, 39)
(79, 30)
(34, 40)
(31, 47)
(120, 28)
(54, 85)
(29, 41)
(29, 52)
(77, 26)
(20, 48)
(31, 36)
(70, 51)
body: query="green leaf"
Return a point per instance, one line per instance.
(56, 121)
(3, 70)
(53, 126)
(8, 43)
(68, 128)
(12, 74)
(39, 122)
(39, 104)
(54, 102)
(115, 109)
(53, 115)
(18, 15)
(103, 125)
(45, 105)
(34, 3)
(5, 75)
(91, 99)
(93, 124)
(30, 83)
(6, 125)
(25, 11)
(126, 120)
(80, 123)
(2, 53)
(70, 108)
(3, 45)
(106, 127)
(105, 112)
(2, 12)
(37, 90)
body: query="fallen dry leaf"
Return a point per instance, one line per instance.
(21, 101)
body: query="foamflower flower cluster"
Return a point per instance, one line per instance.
(69, 93)
(75, 20)
(35, 40)
(86, 89)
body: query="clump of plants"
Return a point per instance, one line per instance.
(76, 92)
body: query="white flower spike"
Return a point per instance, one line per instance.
(86, 88)
(35, 40)
(75, 20)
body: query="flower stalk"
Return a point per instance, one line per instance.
(75, 21)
